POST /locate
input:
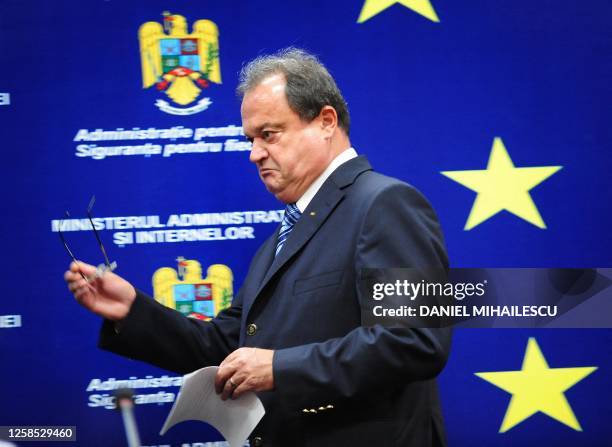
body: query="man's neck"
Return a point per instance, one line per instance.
(344, 156)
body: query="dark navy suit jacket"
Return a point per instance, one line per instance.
(337, 383)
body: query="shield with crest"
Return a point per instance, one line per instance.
(195, 296)
(177, 62)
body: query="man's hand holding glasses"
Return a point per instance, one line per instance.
(107, 295)
(98, 289)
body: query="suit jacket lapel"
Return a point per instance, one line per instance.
(264, 260)
(322, 204)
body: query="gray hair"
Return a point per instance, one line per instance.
(309, 86)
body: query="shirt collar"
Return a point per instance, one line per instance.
(341, 158)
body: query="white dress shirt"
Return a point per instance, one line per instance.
(341, 158)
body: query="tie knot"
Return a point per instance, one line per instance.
(292, 213)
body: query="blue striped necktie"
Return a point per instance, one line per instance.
(292, 214)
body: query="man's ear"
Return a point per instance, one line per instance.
(329, 120)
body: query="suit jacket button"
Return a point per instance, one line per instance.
(257, 441)
(251, 329)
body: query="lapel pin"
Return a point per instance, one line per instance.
(312, 213)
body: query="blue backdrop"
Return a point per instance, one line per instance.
(430, 85)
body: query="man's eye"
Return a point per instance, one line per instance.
(269, 135)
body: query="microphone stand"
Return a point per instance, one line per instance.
(125, 403)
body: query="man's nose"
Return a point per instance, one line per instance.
(258, 151)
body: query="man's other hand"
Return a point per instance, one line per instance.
(108, 295)
(245, 369)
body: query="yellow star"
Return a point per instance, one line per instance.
(373, 7)
(503, 187)
(537, 388)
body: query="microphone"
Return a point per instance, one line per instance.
(125, 403)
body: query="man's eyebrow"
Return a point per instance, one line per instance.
(258, 129)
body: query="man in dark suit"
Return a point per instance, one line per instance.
(293, 333)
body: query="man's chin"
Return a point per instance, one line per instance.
(285, 197)
(272, 189)
(281, 194)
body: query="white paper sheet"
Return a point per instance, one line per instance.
(197, 400)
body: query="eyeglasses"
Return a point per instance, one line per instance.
(102, 268)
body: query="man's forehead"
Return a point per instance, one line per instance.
(270, 88)
(264, 101)
(276, 82)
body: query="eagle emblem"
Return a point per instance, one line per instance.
(185, 290)
(180, 64)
